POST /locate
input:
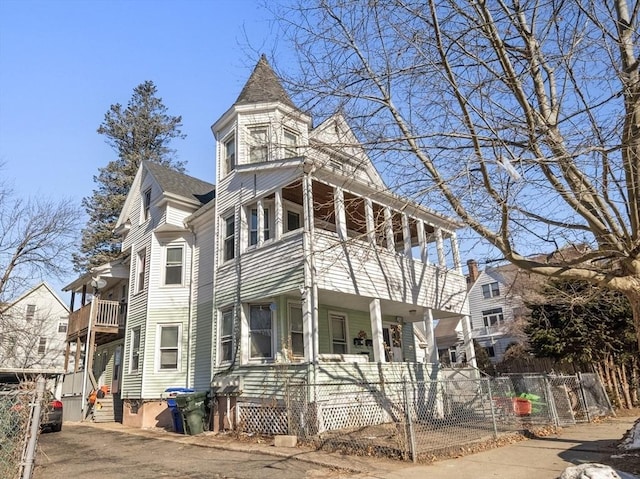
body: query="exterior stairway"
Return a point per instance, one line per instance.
(103, 410)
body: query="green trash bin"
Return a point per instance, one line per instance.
(193, 407)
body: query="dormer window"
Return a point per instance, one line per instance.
(229, 154)
(146, 204)
(290, 142)
(258, 144)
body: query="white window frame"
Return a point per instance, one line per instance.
(255, 146)
(267, 224)
(290, 150)
(63, 326)
(159, 348)
(489, 314)
(226, 338)
(30, 312)
(346, 331)
(297, 305)
(491, 290)
(229, 158)
(287, 207)
(166, 265)
(227, 236)
(141, 270)
(262, 306)
(134, 352)
(42, 345)
(146, 205)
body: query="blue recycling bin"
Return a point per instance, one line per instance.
(176, 415)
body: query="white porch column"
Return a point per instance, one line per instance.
(371, 225)
(422, 239)
(406, 235)
(442, 260)
(278, 214)
(310, 309)
(432, 346)
(341, 216)
(456, 253)
(244, 334)
(260, 218)
(388, 230)
(469, 350)
(375, 313)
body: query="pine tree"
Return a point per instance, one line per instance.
(141, 131)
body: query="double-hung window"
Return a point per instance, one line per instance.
(226, 336)
(260, 331)
(146, 204)
(42, 346)
(173, 265)
(31, 311)
(230, 238)
(169, 346)
(492, 317)
(62, 327)
(141, 267)
(258, 144)
(290, 140)
(296, 334)
(253, 226)
(134, 363)
(490, 290)
(229, 154)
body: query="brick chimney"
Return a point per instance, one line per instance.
(472, 264)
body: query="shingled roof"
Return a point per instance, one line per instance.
(174, 182)
(263, 86)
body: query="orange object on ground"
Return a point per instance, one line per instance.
(521, 406)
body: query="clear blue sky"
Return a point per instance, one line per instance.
(64, 62)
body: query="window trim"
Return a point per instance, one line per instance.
(346, 330)
(488, 290)
(30, 312)
(63, 326)
(289, 150)
(489, 313)
(227, 237)
(166, 265)
(135, 351)
(252, 145)
(295, 304)
(229, 160)
(268, 221)
(272, 330)
(159, 348)
(141, 270)
(42, 345)
(146, 205)
(288, 206)
(229, 338)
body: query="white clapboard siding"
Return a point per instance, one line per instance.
(376, 273)
(265, 272)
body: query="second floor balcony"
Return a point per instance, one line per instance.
(107, 319)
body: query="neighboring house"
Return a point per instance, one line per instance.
(494, 304)
(304, 267)
(33, 329)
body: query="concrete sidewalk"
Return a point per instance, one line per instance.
(534, 458)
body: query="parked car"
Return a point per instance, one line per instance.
(52, 417)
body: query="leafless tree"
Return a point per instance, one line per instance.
(521, 117)
(37, 237)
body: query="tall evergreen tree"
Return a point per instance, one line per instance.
(141, 131)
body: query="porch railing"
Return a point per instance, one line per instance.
(110, 314)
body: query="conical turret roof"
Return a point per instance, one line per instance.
(263, 86)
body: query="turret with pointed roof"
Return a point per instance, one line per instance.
(263, 86)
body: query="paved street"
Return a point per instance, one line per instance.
(85, 451)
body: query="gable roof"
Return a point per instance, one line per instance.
(52, 293)
(180, 184)
(263, 86)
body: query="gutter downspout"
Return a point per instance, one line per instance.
(190, 309)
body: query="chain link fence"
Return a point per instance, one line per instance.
(422, 420)
(20, 407)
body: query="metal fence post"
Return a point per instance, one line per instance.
(493, 411)
(407, 410)
(551, 402)
(36, 408)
